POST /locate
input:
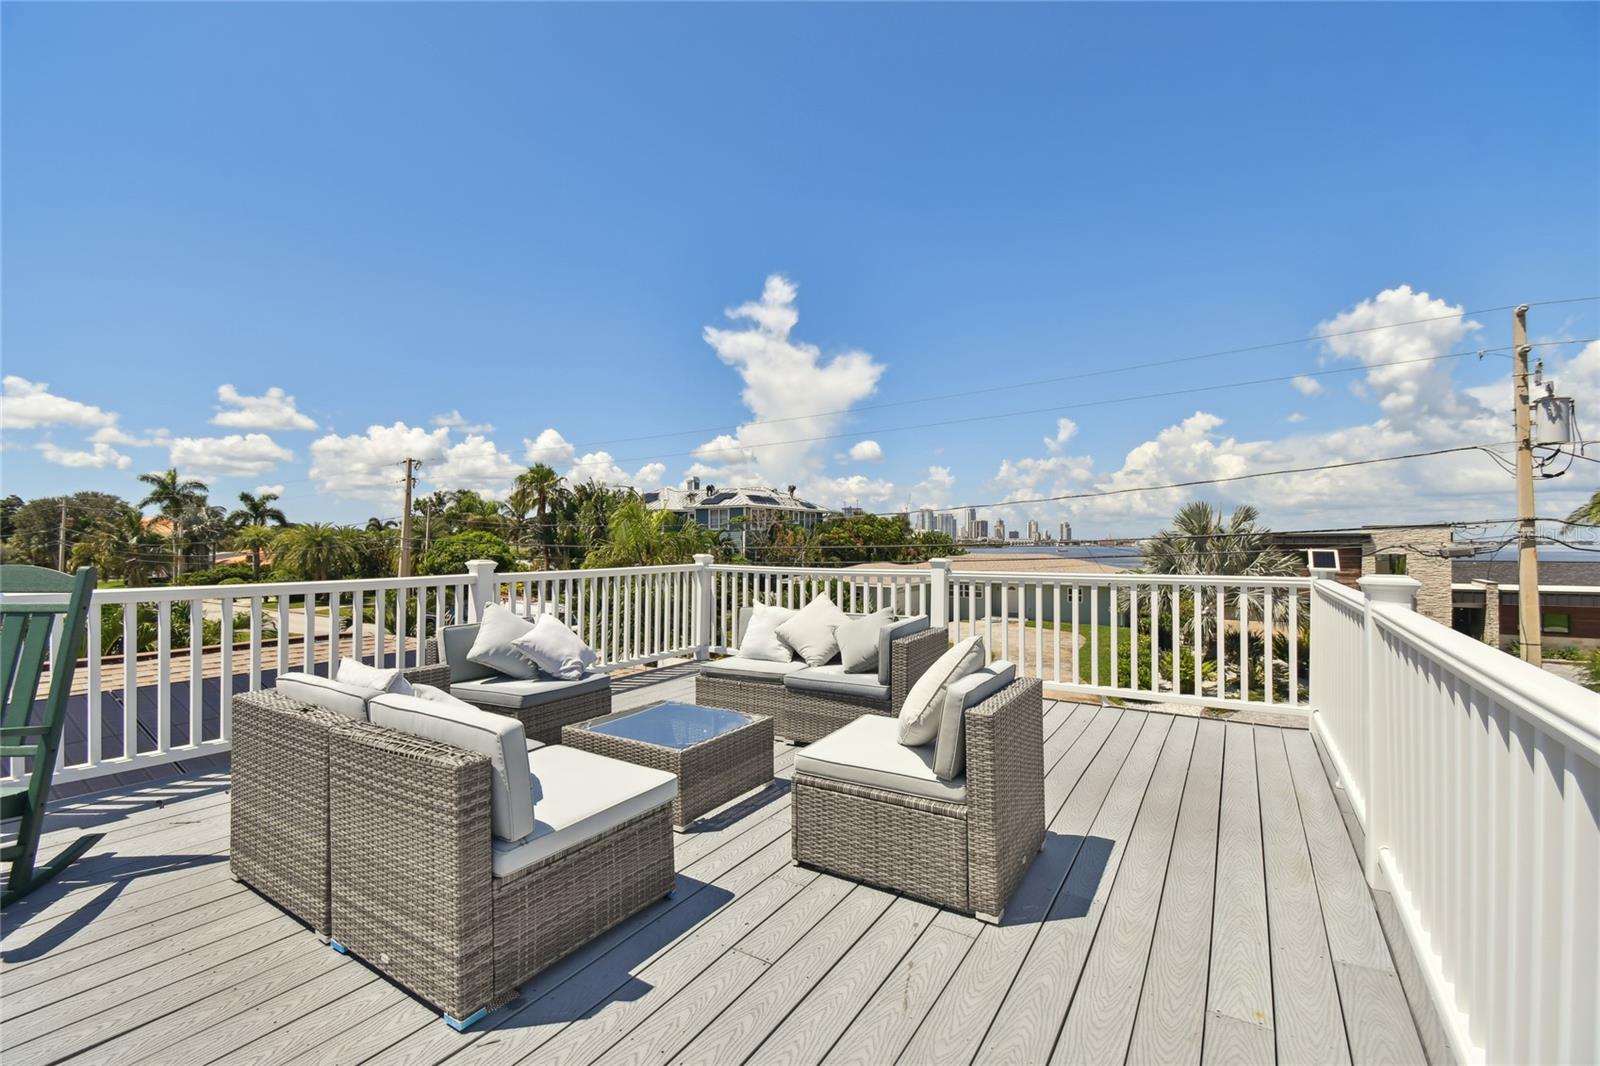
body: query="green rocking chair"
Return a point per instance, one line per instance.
(25, 630)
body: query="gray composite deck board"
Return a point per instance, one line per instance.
(1191, 870)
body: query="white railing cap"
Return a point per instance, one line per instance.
(1390, 588)
(482, 566)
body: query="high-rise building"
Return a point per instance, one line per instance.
(925, 520)
(1066, 531)
(999, 529)
(980, 529)
(1033, 531)
(947, 524)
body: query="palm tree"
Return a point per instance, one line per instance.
(253, 539)
(638, 536)
(122, 546)
(1201, 542)
(257, 510)
(1586, 514)
(316, 551)
(173, 495)
(539, 485)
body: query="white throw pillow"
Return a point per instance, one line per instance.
(438, 695)
(919, 715)
(354, 672)
(858, 641)
(810, 631)
(761, 635)
(555, 649)
(492, 647)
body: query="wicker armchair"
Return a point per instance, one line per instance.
(278, 811)
(415, 894)
(967, 855)
(804, 716)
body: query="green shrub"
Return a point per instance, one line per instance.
(450, 554)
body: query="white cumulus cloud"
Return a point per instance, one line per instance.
(273, 409)
(549, 448)
(455, 420)
(933, 490)
(866, 451)
(602, 467)
(98, 457)
(268, 490)
(367, 465)
(156, 438)
(28, 404)
(794, 393)
(474, 463)
(1066, 429)
(1306, 386)
(235, 455)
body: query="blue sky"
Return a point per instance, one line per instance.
(437, 219)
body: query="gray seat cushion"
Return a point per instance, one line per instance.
(868, 752)
(950, 748)
(742, 669)
(832, 680)
(516, 694)
(454, 643)
(578, 796)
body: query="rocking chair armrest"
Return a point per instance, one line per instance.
(23, 730)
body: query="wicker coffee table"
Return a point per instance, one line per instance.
(715, 754)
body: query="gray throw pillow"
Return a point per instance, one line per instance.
(495, 645)
(858, 641)
(920, 714)
(760, 639)
(810, 631)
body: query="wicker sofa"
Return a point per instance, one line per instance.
(278, 811)
(808, 703)
(426, 890)
(867, 808)
(542, 706)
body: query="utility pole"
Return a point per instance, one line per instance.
(61, 539)
(405, 516)
(1529, 621)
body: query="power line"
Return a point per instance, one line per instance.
(1055, 408)
(1221, 480)
(1086, 374)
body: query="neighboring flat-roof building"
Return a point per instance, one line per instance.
(717, 508)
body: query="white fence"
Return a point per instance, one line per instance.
(1081, 633)
(1228, 642)
(1476, 779)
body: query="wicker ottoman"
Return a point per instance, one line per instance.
(716, 754)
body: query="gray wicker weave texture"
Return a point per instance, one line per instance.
(278, 810)
(802, 717)
(709, 773)
(413, 894)
(411, 883)
(966, 856)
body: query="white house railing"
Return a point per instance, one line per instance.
(1476, 780)
(1226, 642)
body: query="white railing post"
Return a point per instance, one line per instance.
(1382, 592)
(939, 594)
(704, 605)
(483, 591)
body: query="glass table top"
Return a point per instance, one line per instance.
(671, 725)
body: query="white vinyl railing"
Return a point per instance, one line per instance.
(1476, 780)
(1227, 642)
(628, 615)
(173, 700)
(854, 589)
